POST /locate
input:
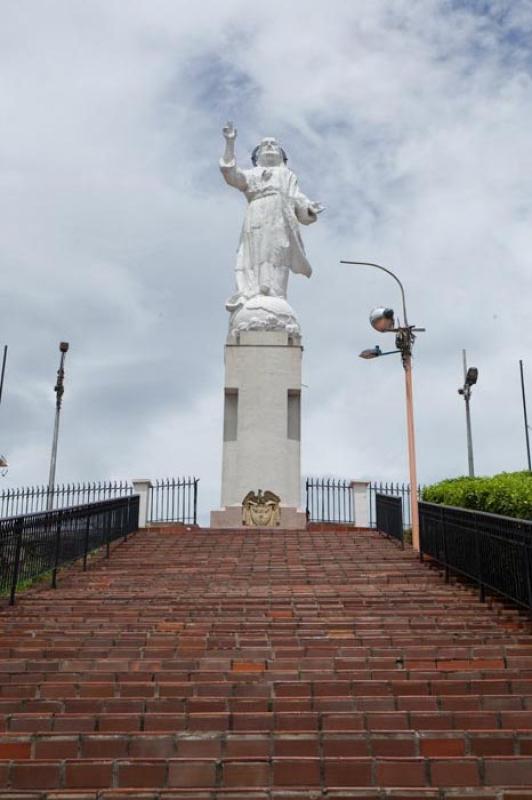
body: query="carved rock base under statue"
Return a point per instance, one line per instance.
(264, 313)
(231, 517)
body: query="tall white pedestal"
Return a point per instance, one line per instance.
(262, 424)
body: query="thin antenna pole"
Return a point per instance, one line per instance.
(527, 436)
(4, 359)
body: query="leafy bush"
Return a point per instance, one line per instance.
(508, 494)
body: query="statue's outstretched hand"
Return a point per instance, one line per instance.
(316, 208)
(229, 131)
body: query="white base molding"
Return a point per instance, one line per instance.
(291, 518)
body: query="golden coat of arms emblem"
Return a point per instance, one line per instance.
(261, 509)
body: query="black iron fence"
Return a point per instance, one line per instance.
(33, 499)
(495, 552)
(32, 545)
(174, 500)
(170, 499)
(401, 490)
(329, 500)
(389, 516)
(332, 500)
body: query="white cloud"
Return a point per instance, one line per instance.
(409, 120)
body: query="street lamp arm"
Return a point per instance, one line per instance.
(394, 276)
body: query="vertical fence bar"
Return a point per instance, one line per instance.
(86, 543)
(528, 570)
(478, 557)
(57, 547)
(108, 530)
(125, 519)
(18, 548)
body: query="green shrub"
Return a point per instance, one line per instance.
(509, 494)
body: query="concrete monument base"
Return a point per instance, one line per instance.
(262, 425)
(290, 519)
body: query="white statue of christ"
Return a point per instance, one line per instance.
(270, 243)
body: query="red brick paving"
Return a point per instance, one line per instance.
(267, 666)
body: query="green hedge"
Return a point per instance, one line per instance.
(509, 494)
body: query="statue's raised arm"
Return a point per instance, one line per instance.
(234, 176)
(270, 243)
(229, 132)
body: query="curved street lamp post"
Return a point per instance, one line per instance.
(383, 320)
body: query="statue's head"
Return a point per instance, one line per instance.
(268, 153)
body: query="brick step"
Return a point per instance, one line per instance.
(257, 687)
(293, 793)
(355, 621)
(454, 717)
(233, 745)
(240, 772)
(215, 612)
(314, 667)
(58, 658)
(331, 657)
(341, 683)
(249, 702)
(259, 700)
(351, 621)
(261, 615)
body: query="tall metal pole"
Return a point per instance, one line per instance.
(59, 390)
(527, 436)
(404, 342)
(412, 463)
(467, 397)
(3, 462)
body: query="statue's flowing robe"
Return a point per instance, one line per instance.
(270, 243)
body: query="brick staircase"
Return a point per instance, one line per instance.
(263, 666)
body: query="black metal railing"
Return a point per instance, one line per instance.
(332, 500)
(401, 490)
(170, 499)
(34, 544)
(389, 516)
(174, 500)
(33, 499)
(495, 552)
(329, 500)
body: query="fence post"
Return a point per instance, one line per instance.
(57, 548)
(195, 501)
(360, 490)
(528, 566)
(142, 487)
(108, 529)
(86, 544)
(481, 591)
(18, 550)
(124, 519)
(372, 492)
(444, 539)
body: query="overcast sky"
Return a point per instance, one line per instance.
(410, 120)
